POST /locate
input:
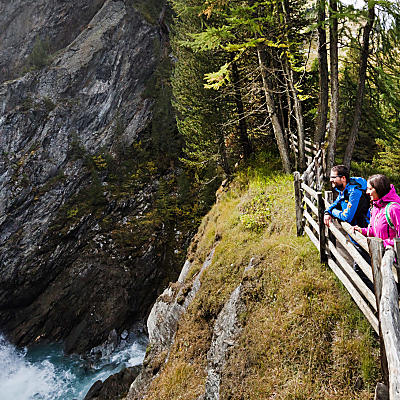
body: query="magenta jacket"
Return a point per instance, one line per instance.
(378, 226)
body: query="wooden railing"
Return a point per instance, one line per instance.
(313, 175)
(309, 149)
(374, 290)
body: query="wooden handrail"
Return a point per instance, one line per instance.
(390, 323)
(383, 272)
(310, 191)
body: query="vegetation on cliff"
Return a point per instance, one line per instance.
(302, 337)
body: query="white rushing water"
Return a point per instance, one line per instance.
(44, 373)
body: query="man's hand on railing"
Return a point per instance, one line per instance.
(327, 219)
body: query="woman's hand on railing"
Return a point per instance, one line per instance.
(356, 229)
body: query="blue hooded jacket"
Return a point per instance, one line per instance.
(346, 204)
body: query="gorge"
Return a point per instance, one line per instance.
(97, 228)
(79, 260)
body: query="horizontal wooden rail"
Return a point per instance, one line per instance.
(310, 191)
(311, 221)
(348, 269)
(345, 242)
(311, 235)
(311, 205)
(355, 295)
(356, 236)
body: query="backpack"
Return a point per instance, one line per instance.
(360, 217)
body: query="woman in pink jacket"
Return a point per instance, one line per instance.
(385, 212)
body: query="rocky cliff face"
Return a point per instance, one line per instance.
(163, 323)
(24, 22)
(75, 261)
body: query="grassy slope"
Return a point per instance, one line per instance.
(303, 338)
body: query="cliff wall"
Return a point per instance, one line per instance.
(76, 261)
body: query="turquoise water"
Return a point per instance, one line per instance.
(45, 373)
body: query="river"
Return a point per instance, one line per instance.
(45, 373)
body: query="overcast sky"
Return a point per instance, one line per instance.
(356, 3)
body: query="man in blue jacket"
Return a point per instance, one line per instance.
(352, 204)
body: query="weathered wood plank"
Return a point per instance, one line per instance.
(311, 175)
(322, 238)
(309, 168)
(308, 143)
(298, 202)
(358, 258)
(390, 323)
(360, 285)
(312, 221)
(363, 306)
(309, 150)
(357, 236)
(310, 191)
(313, 207)
(376, 250)
(312, 236)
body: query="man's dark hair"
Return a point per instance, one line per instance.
(380, 183)
(342, 170)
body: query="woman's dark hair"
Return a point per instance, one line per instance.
(380, 183)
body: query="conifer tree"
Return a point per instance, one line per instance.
(264, 29)
(201, 113)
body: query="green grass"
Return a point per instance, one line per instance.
(302, 338)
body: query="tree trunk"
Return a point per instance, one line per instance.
(298, 115)
(322, 114)
(223, 157)
(288, 72)
(334, 109)
(361, 87)
(243, 135)
(280, 139)
(289, 128)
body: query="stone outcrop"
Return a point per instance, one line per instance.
(226, 330)
(114, 387)
(74, 265)
(162, 325)
(24, 23)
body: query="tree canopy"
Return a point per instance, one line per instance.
(254, 75)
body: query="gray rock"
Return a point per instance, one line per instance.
(381, 392)
(162, 325)
(23, 22)
(72, 284)
(114, 387)
(226, 329)
(166, 312)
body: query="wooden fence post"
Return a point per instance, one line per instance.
(328, 234)
(389, 322)
(376, 251)
(299, 204)
(322, 239)
(329, 196)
